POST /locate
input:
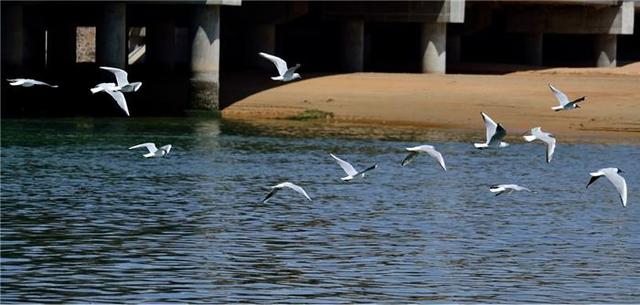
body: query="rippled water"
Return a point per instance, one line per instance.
(85, 219)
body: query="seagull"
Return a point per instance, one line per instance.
(121, 79)
(564, 100)
(116, 94)
(495, 133)
(153, 151)
(414, 151)
(276, 188)
(27, 82)
(507, 188)
(547, 138)
(286, 74)
(618, 181)
(348, 168)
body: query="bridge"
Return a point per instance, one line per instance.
(207, 50)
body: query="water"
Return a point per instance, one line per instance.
(86, 220)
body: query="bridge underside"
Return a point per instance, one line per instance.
(203, 54)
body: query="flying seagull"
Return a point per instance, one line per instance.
(507, 188)
(414, 151)
(618, 181)
(565, 104)
(285, 74)
(348, 168)
(278, 187)
(27, 82)
(122, 81)
(153, 151)
(495, 133)
(114, 92)
(547, 138)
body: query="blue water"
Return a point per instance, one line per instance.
(86, 220)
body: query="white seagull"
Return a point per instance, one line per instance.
(113, 90)
(565, 104)
(285, 74)
(121, 79)
(351, 172)
(547, 138)
(153, 151)
(495, 133)
(618, 181)
(414, 151)
(276, 188)
(507, 188)
(27, 82)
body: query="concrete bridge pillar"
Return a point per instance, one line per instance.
(111, 36)
(34, 39)
(161, 44)
(434, 45)
(454, 48)
(533, 48)
(13, 36)
(261, 38)
(205, 57)
(61, 46)
(606, 46)
(353, 45)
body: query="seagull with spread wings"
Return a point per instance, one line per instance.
(562, 98)
(285, 74)
(495, 133)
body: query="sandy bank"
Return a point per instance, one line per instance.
(519, 101)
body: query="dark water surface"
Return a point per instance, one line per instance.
(84, 219)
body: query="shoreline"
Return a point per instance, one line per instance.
(453, 102)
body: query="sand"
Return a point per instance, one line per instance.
(519, 101)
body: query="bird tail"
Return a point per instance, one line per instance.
(480, 145)
(347, 178)
(529, 138)
(96, 89)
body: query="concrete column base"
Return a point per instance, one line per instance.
(533, 49)
(204, 94)
(434, 45)
(606, 47)
(353, 46)
(205, 58)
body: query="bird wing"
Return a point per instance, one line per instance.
(289, 73)
(121, 75)
(273, 192)
(498, 135)
(548, 139)
(166, 148)
(119, 97)
(436, 154)
(149, 146)
(561, 97)
(620, 184)
(37, 82)
(346, 166)
(372, 167)
(412, 155)
(296, 188)
(489, 125)
(280, 64)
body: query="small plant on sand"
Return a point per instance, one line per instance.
(311, 114)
